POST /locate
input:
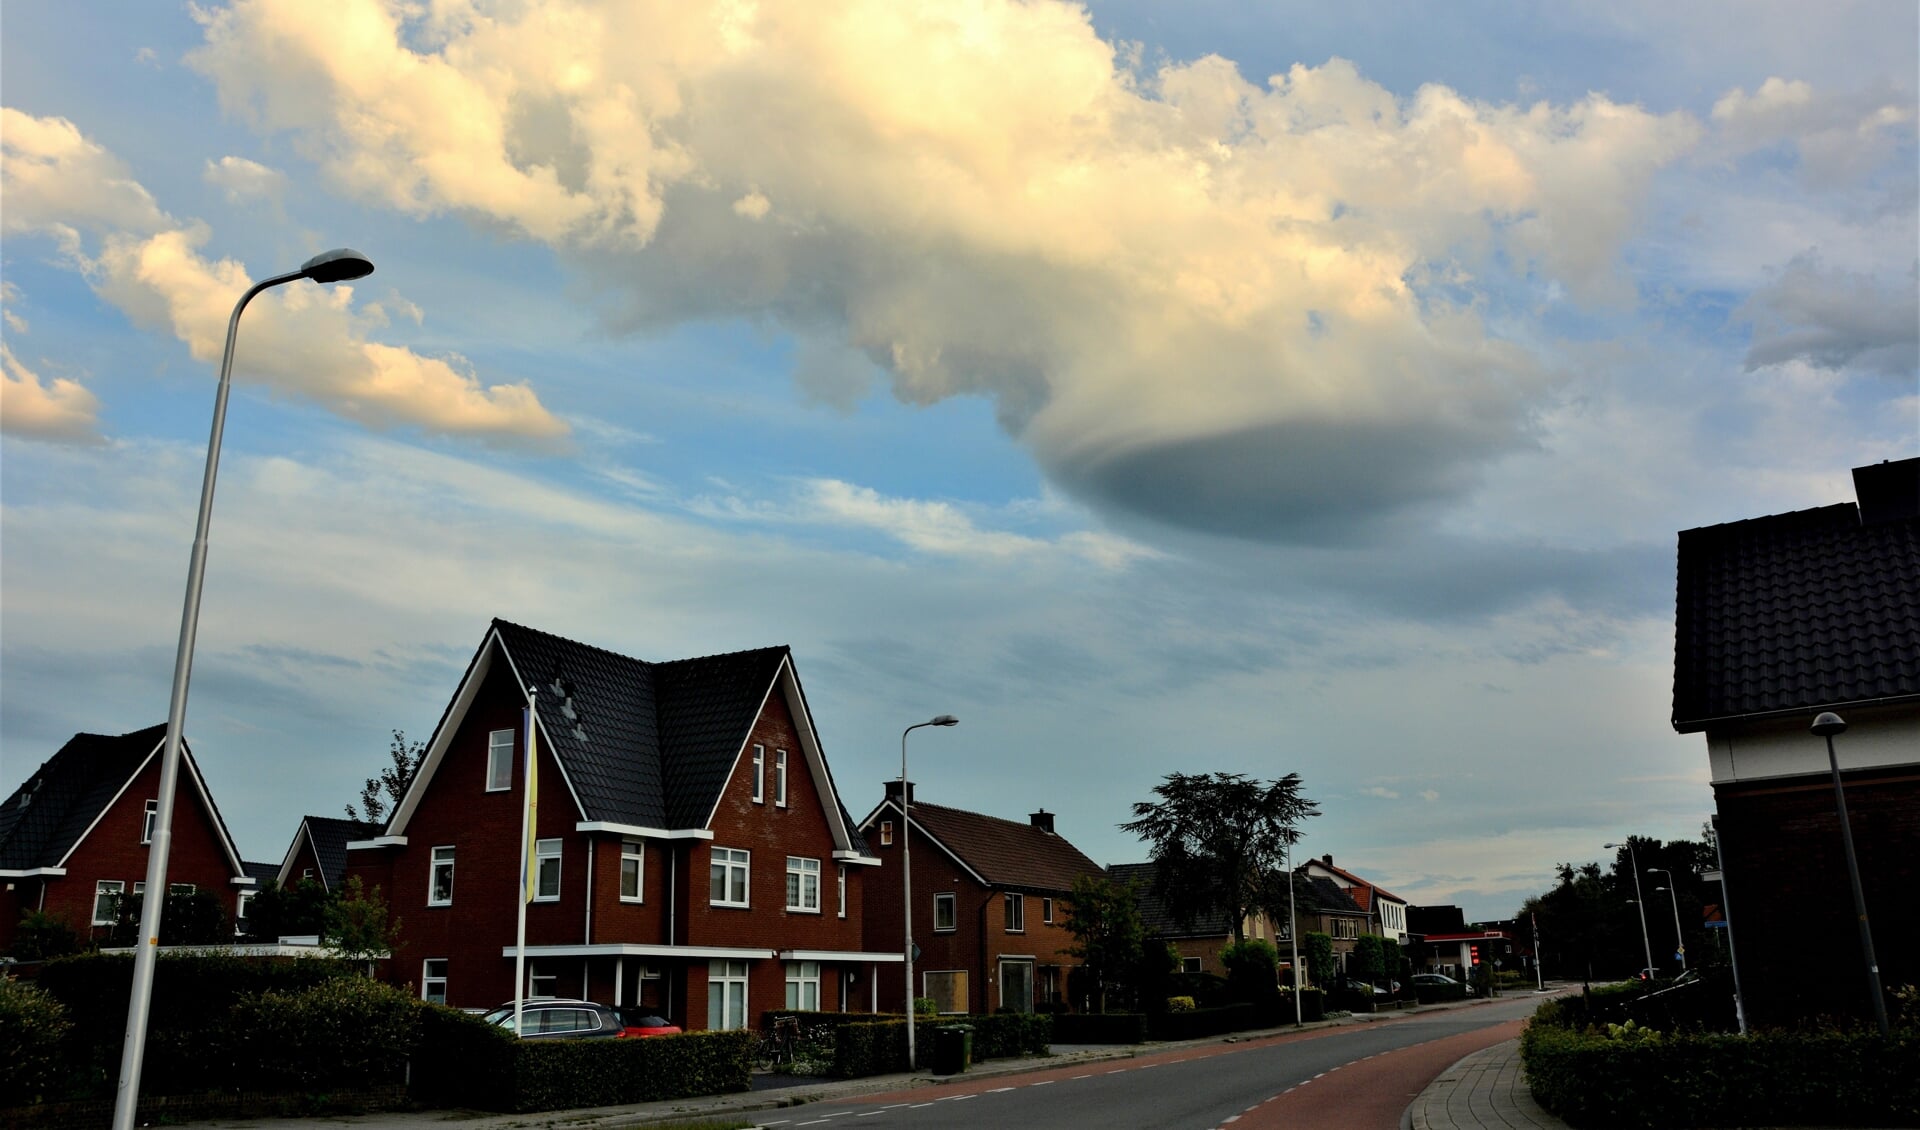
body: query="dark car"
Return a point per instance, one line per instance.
(1436, 981)
(556, 1018)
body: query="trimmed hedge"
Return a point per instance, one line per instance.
(346, 1033)
(1201, 1022)
(32, 1026)
(810, 1020)
(1591, 1079)
(1100, 1028)
(874, 1048)
(1009, 1035)
(465, 1062)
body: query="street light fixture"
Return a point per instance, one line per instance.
(1673, 896)
(1293, 938)
(1639, 905)
(906, 865)
(1827, 725)
(337, 265)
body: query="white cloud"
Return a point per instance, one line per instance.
(300, 339)
(1380, 791)
(61, 410)
(1839, 135)
(244, 180)
(1191, 295)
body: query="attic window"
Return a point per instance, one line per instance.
(886, 833)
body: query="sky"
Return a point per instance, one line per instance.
(1260, 388)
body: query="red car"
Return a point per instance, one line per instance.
(636, 1023)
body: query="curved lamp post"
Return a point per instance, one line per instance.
(1827, 725)
(1673, 896)
(337, 265)
(1639, 904)
(906, 866)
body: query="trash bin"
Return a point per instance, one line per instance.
(952, 1049)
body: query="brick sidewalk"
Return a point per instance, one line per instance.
(1482, 1090)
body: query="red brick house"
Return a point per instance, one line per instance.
(74, 835)
(990, 906)
(319, 850)
(1778, 619)
(1201, 940)
(693, 856)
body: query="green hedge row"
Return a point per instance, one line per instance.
(1009, 1035)
(1100, 1028)
(1591, 1079)
(813, 1020)
(1202, 1022)
(874, 1048)
(33, 1029)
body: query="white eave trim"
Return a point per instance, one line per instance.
(856, 857)
(31, 872)
(243, 881)
(634, 949)
(377, 842)
(643, 832)
(841, 955)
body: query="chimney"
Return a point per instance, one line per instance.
(1042, 820)
(1327, 859)
(1888, 492)
(893, 791)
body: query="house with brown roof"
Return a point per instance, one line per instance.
(990, 904)
(1386, 911)
(690, 854)
(1200, 939)
(74, 835)
(1778, 619)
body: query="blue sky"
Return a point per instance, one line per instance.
(1267, 388)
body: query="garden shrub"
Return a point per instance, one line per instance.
(1635, 1077)
(874, 1048)
(1101, 1028)
(1253, 969)
(33, 1027)
(1206, 989)
(41, 936)
(1202, 1022)
(1008, 1035)
(344, 1033)
(461, 1060)
(1180, 1004)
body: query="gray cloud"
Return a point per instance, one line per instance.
(1835, 319)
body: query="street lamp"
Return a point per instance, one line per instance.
(337, 265)
(1293, 937)
(1673, 896)
(906, 865)
(1827, 725)
(1645, 943)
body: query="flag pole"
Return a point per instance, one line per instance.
(530, 720)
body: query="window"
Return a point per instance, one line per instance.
(241, 909)
(943, 912)
(180, 888)
(803, 884)
(147, 821)
(633, 854)
(542, 981)
(499, 761)
(803, 985)
(546, 870)
(306, 874)
(728, 874)
(433, 980)
(1016, 914)
(841, 885)
(1016, 985)
(440, 877)
(780, 777)
(106, 900)
(726, 994)
(759, 774)
(1046, 911)
(886, 833)
(1189, 965)
(947, 987)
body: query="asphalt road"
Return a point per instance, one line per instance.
(1352, 1078)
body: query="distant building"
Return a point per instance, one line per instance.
(1387, 911)
(1776, 620)
(1200, 940)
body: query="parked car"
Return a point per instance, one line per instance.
(559, 1018)
(635, 1022)
(1437, 981)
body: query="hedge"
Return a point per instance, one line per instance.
(32, 1026)
(874, 1048)
(1009, 1035)
(1434, 994)
(1201, 1022)
(346, 1033)
(1591, 1079)
(1100, 1028)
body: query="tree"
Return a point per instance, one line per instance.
(1253, 970)
(357, 923)
(380, 794)
(299, 910)
(1218, 840)
(1104, 919)
(188, 918)
(1367, 962)
(1318, 949)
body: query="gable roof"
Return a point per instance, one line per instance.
(640, 745)
(52, 811)
(1796, 612)
(1321, 895)
(1156, 915)
(1361, 890)
(1001, 853)
(329, 837)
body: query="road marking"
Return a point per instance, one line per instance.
(1080, 1077)
(1044, 1083)
(999, 1090)
(1116, 1071)
(1322, 1075)
(1229, 1118)
(870, 1113)
(917, 1106)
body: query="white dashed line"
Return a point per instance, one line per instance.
(1322, 1075)
(1080, 1077)
(1229, 1118)
(869, 1113)
(917, 1106)
(1044, 1083)
(1116, 1071)
(999, 1090)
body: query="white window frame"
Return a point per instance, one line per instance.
(759, 774)
(500, 745)
(1190, 965)
(428, 979)
(729, 862)
(886, 833)
(1016, 913)
(181, 888)
(441, 856)
(148, 821)
(840, 885)
(107, 894)
(542, 980)
(949, 902)
(546, 852)
(803, 885)
(780, 778)
(634, 852)
(1046, 911)
(728, 977)
(803, 979)
(241, 906)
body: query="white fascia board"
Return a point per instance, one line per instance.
(32, 872)
(377, 842)
(789, 681)
(305, 834)
(933, 839)
(243, 881)
(642, 832)
(213, 812)
(843, 955)
(117, 794)
(635, 949)
(450, 719)
(741, 752)
(856, 857)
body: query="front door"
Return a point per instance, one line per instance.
(1016, 985)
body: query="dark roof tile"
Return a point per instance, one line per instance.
(56, 805)
(1005, 853)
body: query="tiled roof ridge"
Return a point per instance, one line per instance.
(1376, 888)
(1808, 515)
(920, 804)
(502, 622)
